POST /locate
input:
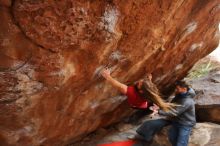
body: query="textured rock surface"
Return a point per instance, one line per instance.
(51, 51)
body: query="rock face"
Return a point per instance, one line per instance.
(52, 51)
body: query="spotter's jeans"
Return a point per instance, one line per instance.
(179, 134)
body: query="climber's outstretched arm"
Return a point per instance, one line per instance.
(121, 87)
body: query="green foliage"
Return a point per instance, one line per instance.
(201, 70)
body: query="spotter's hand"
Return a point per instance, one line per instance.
(155, 109)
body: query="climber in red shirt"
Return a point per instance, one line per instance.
(140, 94)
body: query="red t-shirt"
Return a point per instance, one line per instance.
(134, 99)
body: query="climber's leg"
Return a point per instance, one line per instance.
(149, 128)
(135, 118)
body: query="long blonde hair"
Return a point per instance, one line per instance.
(151, 92)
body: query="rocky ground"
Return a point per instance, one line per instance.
(204, 134)
(205, 79)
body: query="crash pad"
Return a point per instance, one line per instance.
(121, 143)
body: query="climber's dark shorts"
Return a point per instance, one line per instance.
(149, 128)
